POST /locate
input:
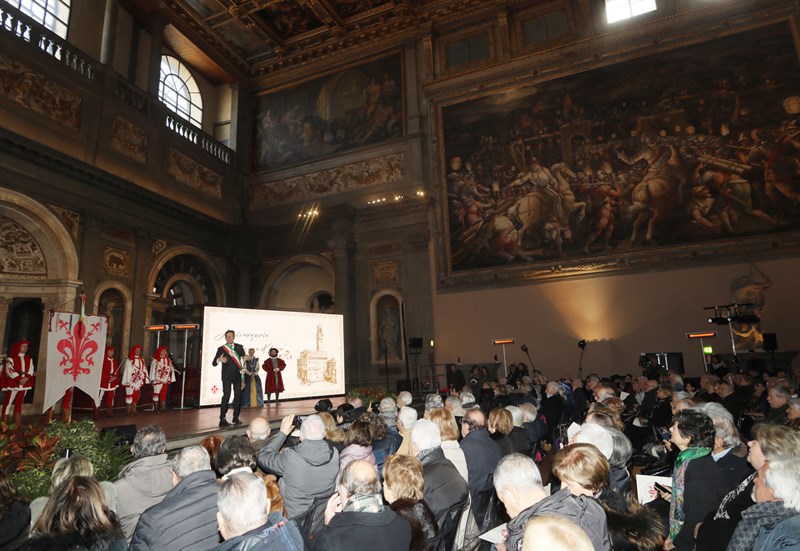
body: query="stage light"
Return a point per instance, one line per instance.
(156, 328)
(718, 321)
(582, 344)
(503, 341)
(701, 335)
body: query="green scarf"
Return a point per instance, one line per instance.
(676, 514)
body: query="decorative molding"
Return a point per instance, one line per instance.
(388, 169)
(34, 91)
(116, 261)
(129, 139)
(267, 266)
(20, 253)
(191, 173)
(159, 245)
(70, 219)
(384, 272)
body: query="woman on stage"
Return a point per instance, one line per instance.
(274, 382)
(134, 375)
(252, 394)
(162, 374)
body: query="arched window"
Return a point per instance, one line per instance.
(177, 89)
(53, 14)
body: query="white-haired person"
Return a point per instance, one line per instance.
(406, 418)
(246, 522)
(307, 470)
(518, 434)
(560, 534)
(729, 452)
(444, 486)
(777, 497)
(769, 442)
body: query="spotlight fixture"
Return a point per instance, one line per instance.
(718, 320)
(524, 348)
(745, 318)
(582, 344)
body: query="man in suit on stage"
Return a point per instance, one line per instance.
(231, 356)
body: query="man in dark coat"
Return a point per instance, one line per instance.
(444, 487)
(187, 518)
(356, 518)
(230, 355)
(481, 452)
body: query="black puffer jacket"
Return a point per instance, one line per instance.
(444, 487)
(76, 542)
(420, 517)
(632, 527)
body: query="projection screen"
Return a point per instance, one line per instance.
(312, 345)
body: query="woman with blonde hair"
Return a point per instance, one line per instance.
(446, 421)
(500, 425)
(560, 533)
(76, 517)
(403, 489)
(64, 469)
(333, 434)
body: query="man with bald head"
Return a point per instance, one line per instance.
(356, 518)
(481, 452)
(258, 432)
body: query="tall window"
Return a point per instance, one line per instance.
(53, 14)
(617, 10)
(178, 90)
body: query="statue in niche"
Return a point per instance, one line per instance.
(389, 328)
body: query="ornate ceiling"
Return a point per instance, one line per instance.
(257, 40)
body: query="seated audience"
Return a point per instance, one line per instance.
(307, 470)
(433, 400)
(481, 453)
(729, 399)
(403, 489)
(620, 480)
(445, 421)
(15, 514)
(778, 399)
(729, 452)
(384, 443)
(559, 533)
(187, 517)
(777, 498)
(519, 487)
(769, 442)
(500, 425)
(697, 483)
(793, 414)
(67, 467)
(76, 517)
(444, 486)
(333, 434)
(246, 521)
(518, 434)
(357, 446)
(236, 455)
(404, 399)
(552, 406)
(356, 518)
(258, 433)
(782, 481)
(144, 481)
(212, 443)
(406, 418)
(533, 424)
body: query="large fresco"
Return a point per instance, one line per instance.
(695, 145)
(359, 106)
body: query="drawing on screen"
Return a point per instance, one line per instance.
(314, 366)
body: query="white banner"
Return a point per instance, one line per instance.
(312, 345)
(75, 349)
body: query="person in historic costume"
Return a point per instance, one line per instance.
(134, 375)
(16, 379)
(109, 380)
(274, 381)
(230, 355)
(162, 373)
(253, 395)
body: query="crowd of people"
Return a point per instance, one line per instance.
(489, 464)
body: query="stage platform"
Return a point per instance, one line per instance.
(187, 427)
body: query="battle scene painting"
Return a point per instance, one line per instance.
(360, 106)
(691, 146)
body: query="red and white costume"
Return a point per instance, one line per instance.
(17, 377)
(134, 375)
(161, 373)
(109, 380)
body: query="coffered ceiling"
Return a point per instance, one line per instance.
(257, 40)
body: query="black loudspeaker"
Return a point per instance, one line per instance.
(125, 434)
(770, 343)
(403, 384)
(415, 342)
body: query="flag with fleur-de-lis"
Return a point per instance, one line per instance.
(75, 348)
